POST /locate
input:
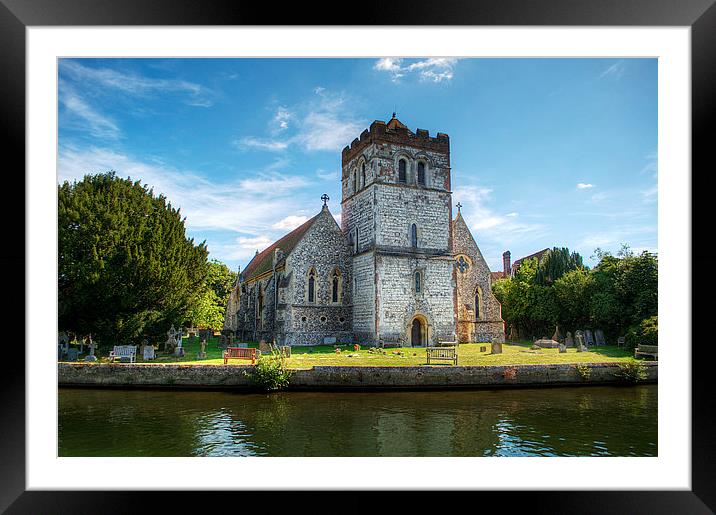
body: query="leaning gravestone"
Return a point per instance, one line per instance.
(569, 341)
(599, 337)
(562, 348)
(496, 347)
(588, 338)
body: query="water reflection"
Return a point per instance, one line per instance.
(592, 421)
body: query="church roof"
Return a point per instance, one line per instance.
(394, 123)
(263, 261)
(537, 255)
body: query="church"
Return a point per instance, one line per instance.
(398, 270)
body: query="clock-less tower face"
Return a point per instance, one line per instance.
(396, 214)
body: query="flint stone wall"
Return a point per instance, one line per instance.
(439, 376)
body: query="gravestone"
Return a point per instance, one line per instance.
(557, 336)
(579, 338)
(90, 357)
(148, 352)
(562, 348)
(535, 346)
(483, 349)
(580, 348)
(329, 340)
(171, 340)
(569, 341)
(264, 347)
(242, 345)
(599, 337)
(588, 338)
(286, 351)
(202, 351)
(64, 344)
(545, 343)
(72, 354)
(621, 341)
(496, 346)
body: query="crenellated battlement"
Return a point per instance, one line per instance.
(382, 132)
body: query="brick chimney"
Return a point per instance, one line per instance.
(506, 263)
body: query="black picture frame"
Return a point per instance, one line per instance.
(700, 15)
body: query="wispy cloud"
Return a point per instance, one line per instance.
(616, 70)
(584, 186)
(434, 69)
(327, 176)
(257, 208)
(290, 222)
(81, 115)
(325, 122)
(133, 83)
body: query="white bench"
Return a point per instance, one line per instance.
(123, 351)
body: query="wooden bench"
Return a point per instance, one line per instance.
(239, 353)
(123, 351)
(442, 353)
(647, 350)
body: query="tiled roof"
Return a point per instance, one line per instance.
(497, 275)
(263, 261)
(537, 255)
(395, 123)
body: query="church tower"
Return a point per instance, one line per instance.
(396, 214)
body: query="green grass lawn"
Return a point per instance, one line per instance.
(469, 354)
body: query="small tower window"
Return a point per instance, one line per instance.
(478, 303)
(414, 236)
(421, 173)
(312, 286)
(336, 286)
(362, 176)
(402, 173)
(418, 282)
(356, 182)
(355, 242)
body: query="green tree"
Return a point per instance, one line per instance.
(572, 292)
(214, 294)
(126, 268)
(555, 263)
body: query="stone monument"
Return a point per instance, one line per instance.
(90, 357)
(557, 336)
(588, 338)
(547, 344)
(562, 348)
(599, 337)
(579, 338)
(569, 341)
(496, 346)
(202, 351)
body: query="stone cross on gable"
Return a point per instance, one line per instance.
(458, 207)
(325, 198)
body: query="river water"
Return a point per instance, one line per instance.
(582, 421)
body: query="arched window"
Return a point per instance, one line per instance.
(414, 236)
(260, 308)
(336, 286)
(312, 285)
(356, 182)
(418, 282)
(478, 303)
(402, 170)
(421, 173)
(355, 242)
(362, 176)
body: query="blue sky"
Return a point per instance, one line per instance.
(545, 152)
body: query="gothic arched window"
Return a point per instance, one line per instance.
(478, 303)
(414, 236)
(336, 286)
(402, 170)
(421, 173)
(356, 182)
(362, 176)
(418, 282)
(312, 285)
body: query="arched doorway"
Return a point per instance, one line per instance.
(417, 333)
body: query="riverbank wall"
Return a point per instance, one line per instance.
(124, 375)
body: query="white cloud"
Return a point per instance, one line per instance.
(327, 176)
(261, 144)
(252, 206)
(83, 116)
(584, 186)
(134, 84)
(325, 122)
(616, 70)
(434, 69)
(290, 222)
(281, 119)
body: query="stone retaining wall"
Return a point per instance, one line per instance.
(232, 376)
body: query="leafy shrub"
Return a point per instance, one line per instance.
(270, 373)
(584, 371)
(645, 333)
(631, 371)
